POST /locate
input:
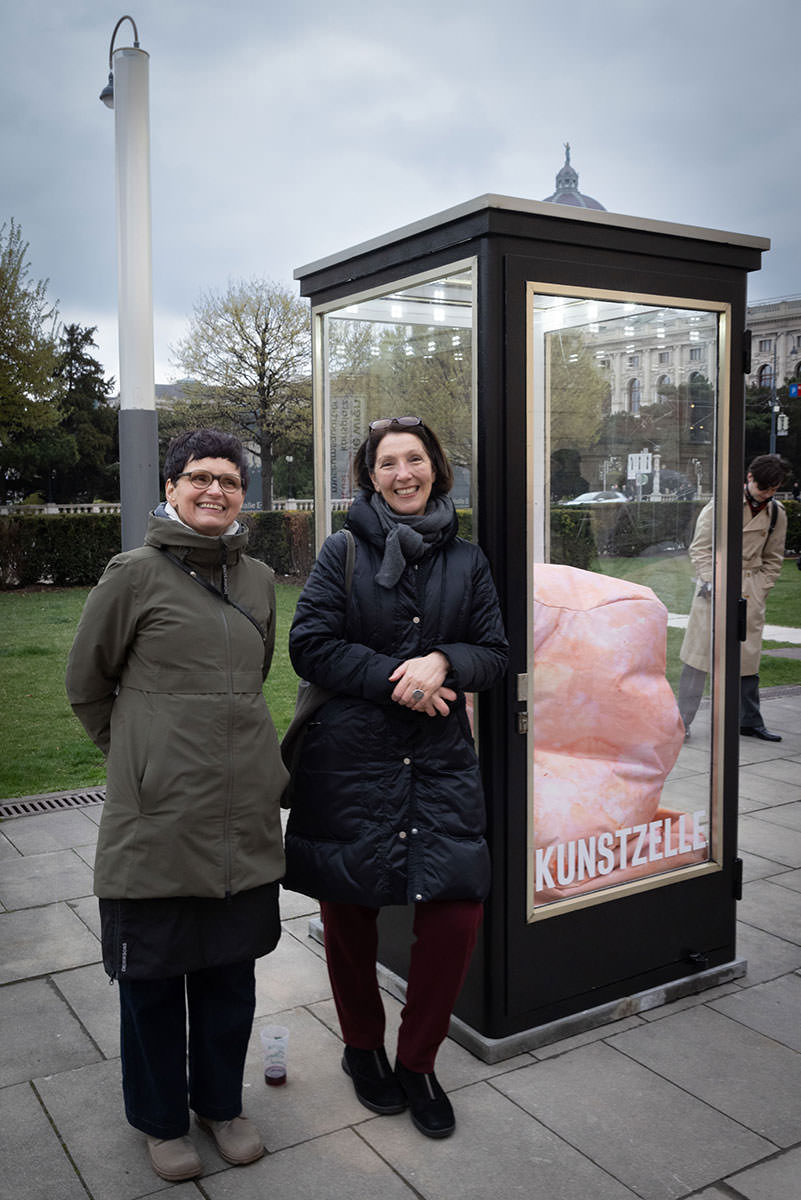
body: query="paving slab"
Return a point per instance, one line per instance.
(37, 941)
(44, 879)
(86, 1109)
(293, 974)
(88, 992)
(497, 1151)
(42, 832)
(777, 1179)
(769, 840)
(7, 848)
(41, 1035)
(318, 1097)
(771, 907)
(788, 815)
(339, 1166)
(741, 1073)
(791, 879)
(87, 910)
(756, 867)
(773, 1009)
(775, 774)
(660, 1141)
(767, 956)
(33, 1162)
(299, 928)
(295, 904)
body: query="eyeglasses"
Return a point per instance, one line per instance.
(204, 479)
(386, 422)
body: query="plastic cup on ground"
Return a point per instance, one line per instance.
(274, 1042)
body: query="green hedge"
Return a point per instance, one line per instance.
(72, 550)
(65, 551)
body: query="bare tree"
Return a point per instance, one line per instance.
(248, 358)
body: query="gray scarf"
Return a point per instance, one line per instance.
(409, 538)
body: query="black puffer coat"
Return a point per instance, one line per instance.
(388, 806)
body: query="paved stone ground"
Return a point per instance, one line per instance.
(701, 1097)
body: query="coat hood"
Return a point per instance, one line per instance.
(164, 532)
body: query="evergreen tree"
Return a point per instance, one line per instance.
(89, 420)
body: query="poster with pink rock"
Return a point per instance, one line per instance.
(606, 736)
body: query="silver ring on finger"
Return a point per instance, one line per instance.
(417, 694)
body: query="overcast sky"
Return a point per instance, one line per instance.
(284, 132)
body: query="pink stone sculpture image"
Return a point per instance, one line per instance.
(607, 733)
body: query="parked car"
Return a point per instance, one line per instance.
(599, 498)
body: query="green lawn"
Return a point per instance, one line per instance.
(44, 746)
(46, 750)
(671, 579)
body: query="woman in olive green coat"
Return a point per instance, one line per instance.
(166, 675)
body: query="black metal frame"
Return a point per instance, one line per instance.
(525, 974)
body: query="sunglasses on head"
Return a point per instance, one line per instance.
(387, 422)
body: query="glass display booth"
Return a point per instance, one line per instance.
(584, 370)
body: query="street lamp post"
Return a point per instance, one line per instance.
(127, 93)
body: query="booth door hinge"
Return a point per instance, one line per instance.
(521, 716)
(737, 883)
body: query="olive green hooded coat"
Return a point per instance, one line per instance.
(166, 677)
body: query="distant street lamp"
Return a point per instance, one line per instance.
(127, 93)
(774, 407)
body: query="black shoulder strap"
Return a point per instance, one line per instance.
(214, 590)
(350, 559)
(774, 512)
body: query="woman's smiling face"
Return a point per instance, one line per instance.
(403, 473)
(208, 510)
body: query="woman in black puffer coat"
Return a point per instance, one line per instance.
(387, 801)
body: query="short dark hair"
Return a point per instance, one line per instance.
(204, 443)
(364, 461)
(769, 470)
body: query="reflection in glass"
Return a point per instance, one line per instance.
(623, 397)
(407, 351)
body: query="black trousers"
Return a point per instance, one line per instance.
(691, 689)
(159, 1083)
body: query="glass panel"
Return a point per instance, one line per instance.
(623, 402)
(408, 351)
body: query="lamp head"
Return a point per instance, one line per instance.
(107, 95)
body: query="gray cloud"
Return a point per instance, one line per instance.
(283, 133)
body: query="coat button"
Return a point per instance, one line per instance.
(415, 620)
(406, 762)
(418, 896)
(414, 831)
(402, 833)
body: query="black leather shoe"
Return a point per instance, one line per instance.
(373, 1080)
(759, 731)
(431, 1109)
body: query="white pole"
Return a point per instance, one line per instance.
(139, 471)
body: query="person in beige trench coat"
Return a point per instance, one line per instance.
(764, 534)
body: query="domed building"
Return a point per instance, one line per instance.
(567, 188)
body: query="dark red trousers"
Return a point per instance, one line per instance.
(445, 934)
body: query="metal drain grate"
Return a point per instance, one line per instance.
(28, 806)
